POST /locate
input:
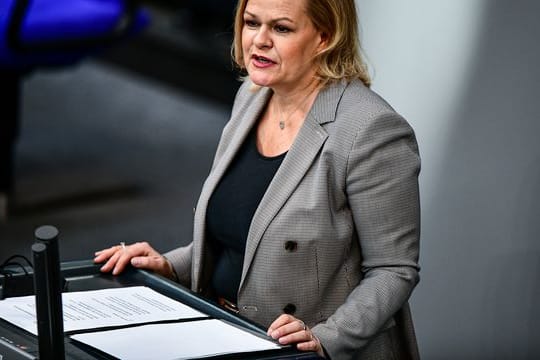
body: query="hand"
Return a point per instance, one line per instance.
(140, 255)
(287, 329)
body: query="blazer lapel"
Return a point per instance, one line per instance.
(296, 163)
(245, 121)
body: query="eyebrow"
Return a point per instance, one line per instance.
(273, 20)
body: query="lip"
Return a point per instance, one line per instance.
(261, 61)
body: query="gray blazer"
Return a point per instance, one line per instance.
(335, 239)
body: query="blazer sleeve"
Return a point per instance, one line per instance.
(181, 259)
(382, 190)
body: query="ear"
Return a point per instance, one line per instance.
(323, 41)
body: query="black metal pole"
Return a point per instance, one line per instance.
(48, 287)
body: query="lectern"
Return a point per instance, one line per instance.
(16, 343)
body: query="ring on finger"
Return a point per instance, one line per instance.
(304, 327)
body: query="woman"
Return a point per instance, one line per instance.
(308, 222)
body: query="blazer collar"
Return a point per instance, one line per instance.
(324, 108)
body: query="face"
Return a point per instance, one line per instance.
(279, 43)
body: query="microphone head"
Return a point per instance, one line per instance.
(46, 233)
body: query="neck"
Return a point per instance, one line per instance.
(292, 108)
(291, 100)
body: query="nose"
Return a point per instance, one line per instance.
(262, 38)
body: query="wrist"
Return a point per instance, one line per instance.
(172, 275)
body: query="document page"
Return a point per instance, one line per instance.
(101, 308)
(185, 340)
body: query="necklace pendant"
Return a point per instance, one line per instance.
(282, 125)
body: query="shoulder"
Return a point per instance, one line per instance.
(363, 104)
(364, 120)
(347, 108)
(367, 110)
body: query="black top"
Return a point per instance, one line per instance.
(230, 210)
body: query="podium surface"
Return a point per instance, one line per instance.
(16, 343)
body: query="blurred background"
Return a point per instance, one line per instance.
(116, 146)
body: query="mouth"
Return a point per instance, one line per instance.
(262, 59)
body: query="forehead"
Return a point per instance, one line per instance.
(289, 8)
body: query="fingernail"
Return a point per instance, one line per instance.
(135, 262)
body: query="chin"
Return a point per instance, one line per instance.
(259, 83)
(257, 80)
(260, 79)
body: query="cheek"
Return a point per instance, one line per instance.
(294, 56)
(246, 43)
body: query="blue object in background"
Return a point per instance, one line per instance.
(58, 32)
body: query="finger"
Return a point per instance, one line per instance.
(279, 322)
(115, 253)
(295, 337)
(312, 345)
(118, 261)
(110, 257)
(123, 259)
(102, 255)
(141, 249)
(111, 261)
(119, 256)
(156, 263)
(295, 325)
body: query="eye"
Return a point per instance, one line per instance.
(250, 23)
(282, 29)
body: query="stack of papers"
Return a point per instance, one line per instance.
(135, 310)
(85, 310)
(185, 340)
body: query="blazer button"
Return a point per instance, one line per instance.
(289, 309)
(291, 246)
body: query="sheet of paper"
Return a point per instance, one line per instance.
(101, 308)
(185, 340)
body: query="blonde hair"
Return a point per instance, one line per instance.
(335, 19)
